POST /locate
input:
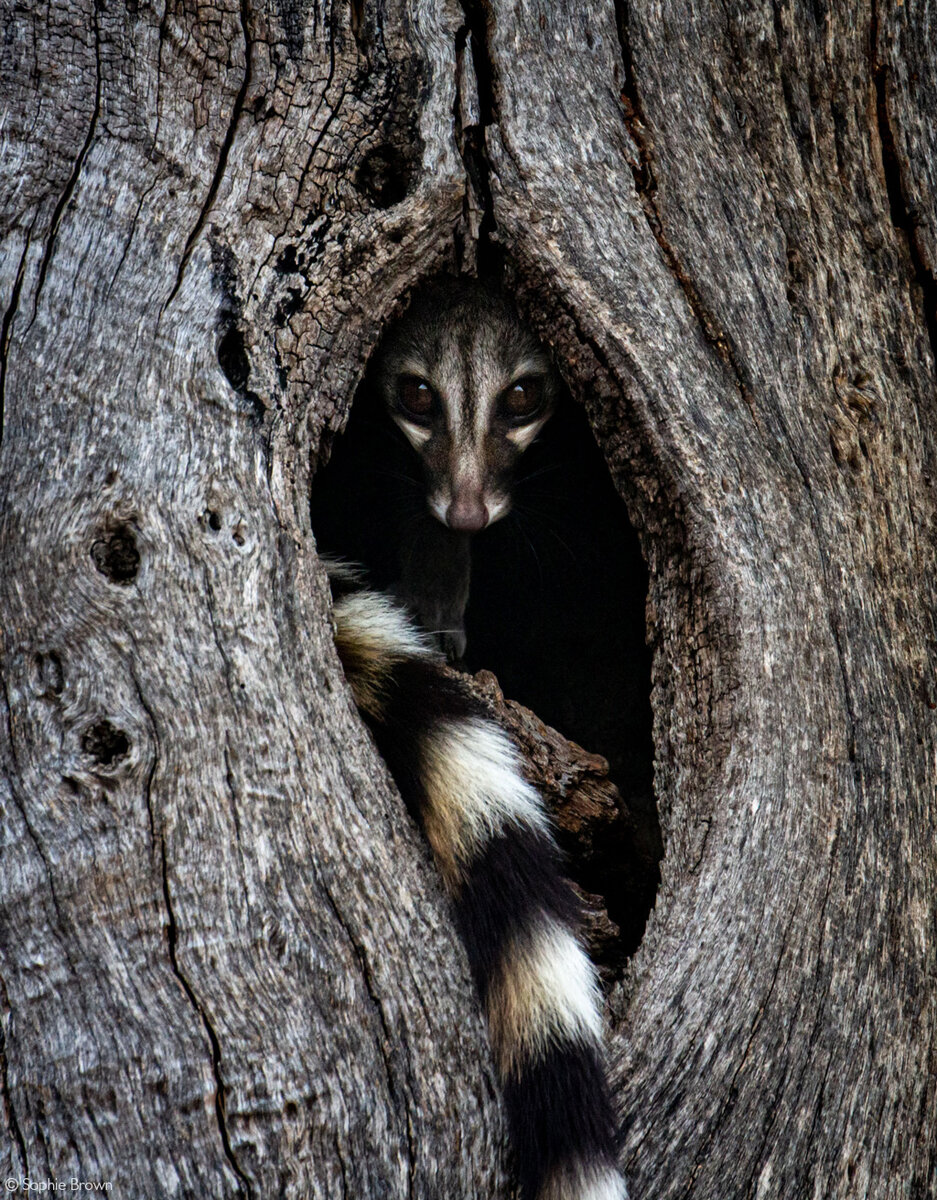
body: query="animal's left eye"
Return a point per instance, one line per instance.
(416, 399)
(522, 401)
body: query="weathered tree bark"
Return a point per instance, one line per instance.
(226, 964)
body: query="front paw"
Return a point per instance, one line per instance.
(446, 629)
(442, 624)
(452, 643)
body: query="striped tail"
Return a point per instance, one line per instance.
(459, 775)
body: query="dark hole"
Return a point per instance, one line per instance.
(357, 19)
(214, 520)
(232, 358)
(292, 14)
(50, 673)
(287, 263)
(383, 177)
(256, 406)
(288, 306)
(556, 611)
(105, 743)
(116, 555)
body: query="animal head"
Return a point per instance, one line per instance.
(470, 387)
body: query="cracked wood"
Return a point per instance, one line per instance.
(226, 967)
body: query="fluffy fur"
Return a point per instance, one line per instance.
(483, 387)
(460, 776)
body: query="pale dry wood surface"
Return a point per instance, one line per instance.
(226, 966)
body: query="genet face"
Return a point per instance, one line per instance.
(470, 389)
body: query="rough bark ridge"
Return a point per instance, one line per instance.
(225, 965)
(743, 275)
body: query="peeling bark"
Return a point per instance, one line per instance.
(226, 966)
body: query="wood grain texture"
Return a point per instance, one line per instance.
(711, 216)
(226, 966)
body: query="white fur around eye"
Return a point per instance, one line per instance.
(523, 435)
(416, 435)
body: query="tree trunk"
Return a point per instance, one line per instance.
(227, 966)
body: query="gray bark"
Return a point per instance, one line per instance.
(226, 964)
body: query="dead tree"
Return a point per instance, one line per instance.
(227, 967)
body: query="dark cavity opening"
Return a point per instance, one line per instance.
(116, 556)
(556, 612)
(232, 358)
(384, 176)
(105, 743)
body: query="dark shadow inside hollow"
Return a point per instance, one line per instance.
(556, 612)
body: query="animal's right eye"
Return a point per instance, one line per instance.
(522, 402)
(416, 399)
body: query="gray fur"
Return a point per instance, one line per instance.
(468, 345)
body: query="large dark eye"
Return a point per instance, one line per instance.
(522, 402)
(416, 399)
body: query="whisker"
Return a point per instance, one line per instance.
(518, 524)
(399, 476)
(550, 469)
